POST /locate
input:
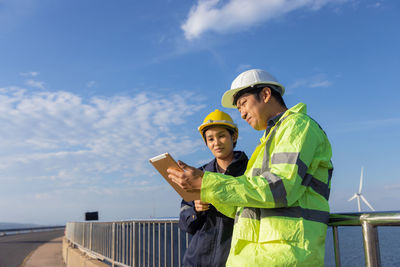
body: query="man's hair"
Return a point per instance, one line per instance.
(256, 92)
(230, 131)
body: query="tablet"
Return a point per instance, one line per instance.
(162, 163)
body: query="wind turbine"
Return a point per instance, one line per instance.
(359, 195)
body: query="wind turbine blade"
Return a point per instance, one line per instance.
(366, 202)
(361, 180)
(353, 197)
(359, 204)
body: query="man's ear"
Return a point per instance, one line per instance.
(266, 94)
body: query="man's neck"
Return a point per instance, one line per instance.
(275, 109)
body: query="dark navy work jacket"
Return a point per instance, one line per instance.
(211, 230)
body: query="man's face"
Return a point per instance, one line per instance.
(220, 142)
(252, 111)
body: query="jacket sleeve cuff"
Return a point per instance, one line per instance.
(207, 186)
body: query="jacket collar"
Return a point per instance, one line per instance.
(299, 108)
(238, 158)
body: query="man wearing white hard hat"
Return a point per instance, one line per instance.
(280, 204)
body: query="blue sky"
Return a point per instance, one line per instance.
(90, 90)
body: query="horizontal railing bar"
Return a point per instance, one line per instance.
(389, 218)
(172, 220)
(335, 219)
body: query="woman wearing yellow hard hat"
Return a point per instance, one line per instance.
(211, 230)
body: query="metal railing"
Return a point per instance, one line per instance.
(162, 243)
(131, 243)
(8, 231)
(369, 223)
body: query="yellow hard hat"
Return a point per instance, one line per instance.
(218, 118)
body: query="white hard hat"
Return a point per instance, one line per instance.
(250, 78)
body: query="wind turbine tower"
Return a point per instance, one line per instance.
(359, 195)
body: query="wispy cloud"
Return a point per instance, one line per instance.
(243, 67)
(36, 84)
(233, 15)
(61, 137)
(91, 84)
(377, 4)
(314, 81)
(392, 187)
(29, 74)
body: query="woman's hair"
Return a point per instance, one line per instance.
(256, 92)
(230, 131)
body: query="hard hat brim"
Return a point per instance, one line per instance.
(227, 98)
(230, 126)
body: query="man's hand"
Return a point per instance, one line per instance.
(201, 206)
(189, 179)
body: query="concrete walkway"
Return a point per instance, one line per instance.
(47, 255)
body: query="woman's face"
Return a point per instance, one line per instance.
(220, 142)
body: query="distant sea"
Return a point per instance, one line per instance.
(8, 225)
(352, 249)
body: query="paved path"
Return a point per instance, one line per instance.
(15, 248)
(47, 255)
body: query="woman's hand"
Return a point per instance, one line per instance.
(201, 206)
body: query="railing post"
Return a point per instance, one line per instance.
(172, 244)
(148, 244)
(139, 244)
(165, 244)
(371, 245)
(335, 232)
(159, 244)
(133, 243)
(90, 235)
(123, 255)
(154, 244)
(179, 247)
(144, 244)
(83, 235)
(113, 245)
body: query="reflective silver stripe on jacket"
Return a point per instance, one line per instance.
(292, 212)
(185, 207)
(275, 182)
(307, 179)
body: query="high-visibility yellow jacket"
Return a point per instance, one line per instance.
(280, 204)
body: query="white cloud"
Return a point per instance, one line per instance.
(36, 84)
(324, 83)
(29, 74)
(392, 187)
(60, 137)
(314, 81)
(226, 16)
(375, 5)
(243, 67)
(91, 84)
